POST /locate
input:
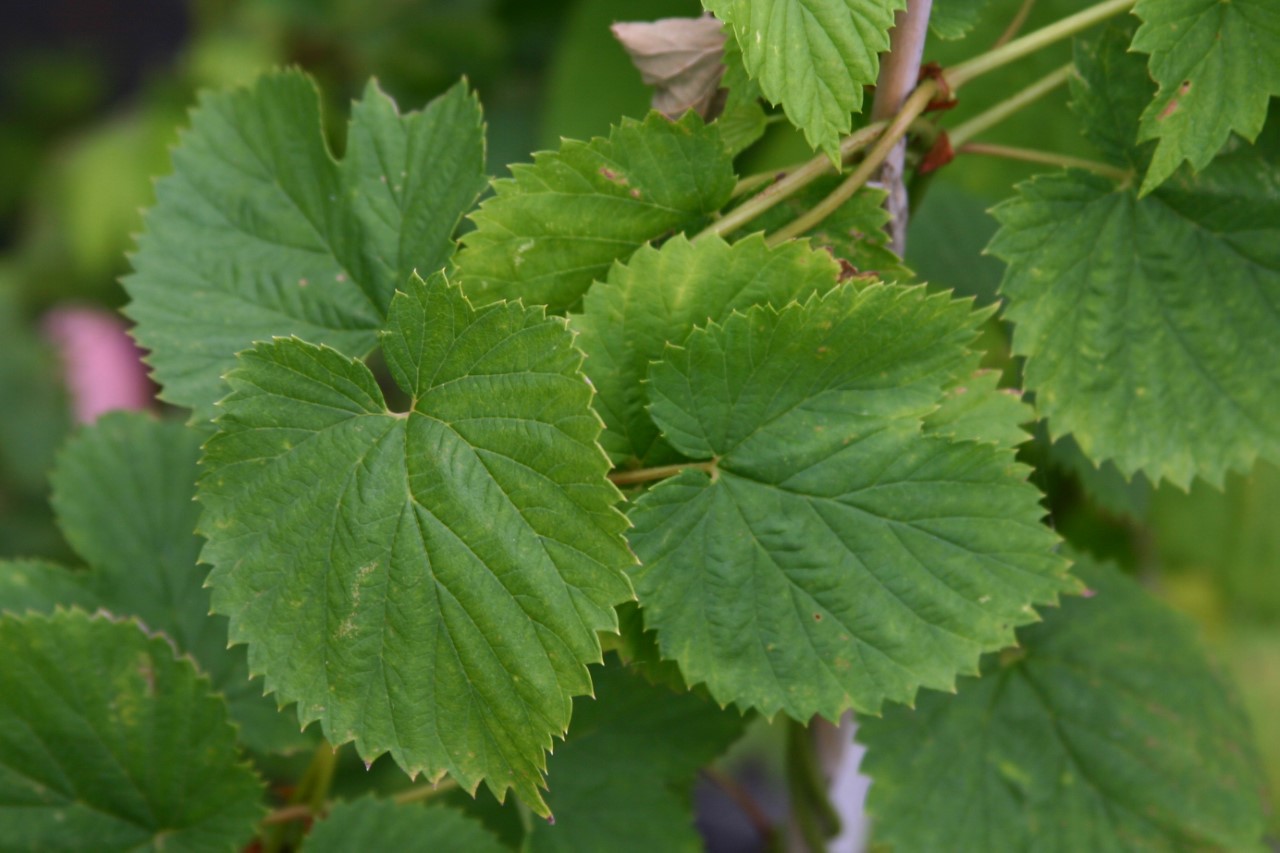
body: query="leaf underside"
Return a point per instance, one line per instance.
(1108, 730)
(812, 56)
(427, 583)
(108, 739)
(259, 232)
(843, 552)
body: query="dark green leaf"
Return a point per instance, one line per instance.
(1216, 65)
(1109, 89)
(1107, 730)
(109, 742)
(36, 585)
(372, 824)
(659, 739)
(558, 223)
(259, 232)
(658, 298)
(427, 583)
(834, 556)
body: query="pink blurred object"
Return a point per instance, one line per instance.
(103, 367)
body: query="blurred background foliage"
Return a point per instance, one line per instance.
(92, 93)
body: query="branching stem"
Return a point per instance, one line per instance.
(1049, 158)
(989, 118)
(662, 472)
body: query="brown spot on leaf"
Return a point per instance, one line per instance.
(817, 617)
(610, 175)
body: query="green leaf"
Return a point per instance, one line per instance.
(1107, 730)
(661, 739)
(427, 583)
(953, 19)
(854, 232)
(742, 121)
(977, 410)
(1149, 325)
(659, 297)
(1215, 63)
(122, 490)
(1109, 89)
(812, 56)
(373, 824)
(259, 232)
(108, 740)
(834, 556)
(558, 223)
(1104, 483)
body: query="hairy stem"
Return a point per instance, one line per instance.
(792, 183)
(662, 472)
(899, 73)
(1049, 158)
(1001, 111)
(1030, 43)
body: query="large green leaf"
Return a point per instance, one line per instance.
(426, 583)
(1150, 325)
(372, 824)
(558, 223)
(834, 555)
(812, 56)
(109, 742)
(1107, 730)
(123, 489)
(259, 232)
(660, 739)
(1216, 65)
(658, 298)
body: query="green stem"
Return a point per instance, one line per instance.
(811, 809)
(419, 793)
(303, 811)
(662, 472)
(1001, 111)
(1015, 24)
(1030, 43)
(792, 183)
(912, 108)
(1049, 158)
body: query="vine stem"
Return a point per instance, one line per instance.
(661, 472)
(1049, 158)
(792, 182)
(960, 74)
(962, 133)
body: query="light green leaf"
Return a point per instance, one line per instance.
(658, 298)
(259, 232)
(661, 739)
(1216, 65)
(854, 232)
(834, 556)
(975, 409)
(812, 56)
(558, 223)
(1150, 325)
(953, 19)
(427, 583)
(109, 741)
(373, 824)
(1107, 730)
(742, 121)
(123, 489)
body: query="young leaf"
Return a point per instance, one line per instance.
(259, 232)
(427, 583)
(1149, 325)
(953, 19)
(129, 514)
(373, 824)
(661, 738)
(557, 224)
(1072, 743)
(108, 740)
(658, 298)
(812, 56)
(1216, 65)
(835, 556)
